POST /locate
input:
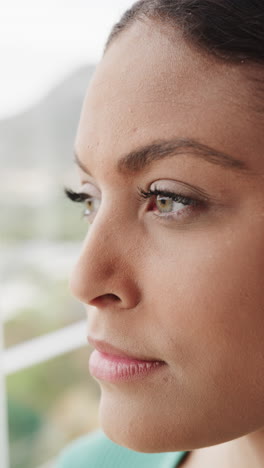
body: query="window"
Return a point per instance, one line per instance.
(43, 361)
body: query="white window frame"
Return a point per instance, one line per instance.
(31, 353)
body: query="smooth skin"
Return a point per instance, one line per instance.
(186, 289)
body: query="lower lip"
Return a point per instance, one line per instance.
(110, 368)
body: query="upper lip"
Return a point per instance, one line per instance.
(105, 347)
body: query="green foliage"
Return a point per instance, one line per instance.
(34, 400)
(23, 421)
(23, 424)
(58, 220)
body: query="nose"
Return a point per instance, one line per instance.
(105, 273)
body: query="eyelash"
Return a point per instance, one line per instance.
(190, 203)
(78, 197)
(174, 196)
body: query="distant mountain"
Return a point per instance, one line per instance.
(43, 136)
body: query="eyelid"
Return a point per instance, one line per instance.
(171, 185)
(92, 190)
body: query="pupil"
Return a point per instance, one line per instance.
(165, 204)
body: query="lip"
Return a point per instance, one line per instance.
(110, 364)
(109, 349)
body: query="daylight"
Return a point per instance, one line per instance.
(42, 41)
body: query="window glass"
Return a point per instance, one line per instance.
(44, 78)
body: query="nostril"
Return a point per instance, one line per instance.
(113, 297)
(105, 300)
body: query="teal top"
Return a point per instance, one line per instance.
(97, 451)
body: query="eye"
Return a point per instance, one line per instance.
(90, 202)
(163, 203)
(169, 204)
(92, 205)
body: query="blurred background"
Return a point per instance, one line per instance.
(49, 49)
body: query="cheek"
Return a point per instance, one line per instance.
(207, 291)
(207, 307)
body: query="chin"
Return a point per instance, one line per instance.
(137, 428)
(133, 439)
(143, 426)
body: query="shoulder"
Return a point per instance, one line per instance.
(97, 451)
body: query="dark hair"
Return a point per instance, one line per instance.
(231, 30)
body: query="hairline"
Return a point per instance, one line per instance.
(257, 83)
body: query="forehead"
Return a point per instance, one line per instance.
(151, 84)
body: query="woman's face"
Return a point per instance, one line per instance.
(178, 282)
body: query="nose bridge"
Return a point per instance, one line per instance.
(100, 251)
(105, 265)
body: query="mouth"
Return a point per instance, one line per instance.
(109, 349)
(112, 364)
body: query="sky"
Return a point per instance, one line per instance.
(42, 41)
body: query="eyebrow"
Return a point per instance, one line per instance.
(142, 157)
